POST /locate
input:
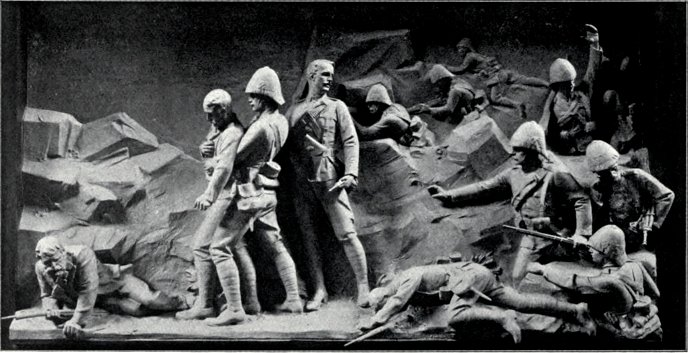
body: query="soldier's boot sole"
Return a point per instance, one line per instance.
(227, 317)
(294, 306)
(317, 301)
(195, 314)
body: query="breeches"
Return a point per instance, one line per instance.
(338, 209)
(233, 225)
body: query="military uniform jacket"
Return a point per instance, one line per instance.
(542, 193)
(328, 122)
(394, 123)
(254, 168)
(636, 193)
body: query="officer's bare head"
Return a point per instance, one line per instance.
(320, 74)
(51, 252)
(217, 106)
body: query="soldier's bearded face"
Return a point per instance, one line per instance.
(58, 263)
(218, 117)
(373, 107)
(609, 175)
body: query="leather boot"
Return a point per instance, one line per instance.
(356, 255)
(203, 306)
(228, 274)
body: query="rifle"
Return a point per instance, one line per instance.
(555, 238)
(63, 314)
(374, 332)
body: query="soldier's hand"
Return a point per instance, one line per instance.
(579, 241)
(202, 203)
(73, 330)
(436, 189)
(647, 222)
(347, 182)
(590, 126)
(207, 149)
(591, 34)
(52, 314)
(511, 326)
(536, 268)
(367, 325)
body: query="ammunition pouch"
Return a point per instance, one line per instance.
(250, 198)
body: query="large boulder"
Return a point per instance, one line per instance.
(68, 128)
(102, 138)
(39, 140)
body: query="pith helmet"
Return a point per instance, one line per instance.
(216, 97)
(378, 93)
(600, 156)
(561, 70)
(611, 242)
(465, 43)
(265, 81)
(438, 72)
(531, 136)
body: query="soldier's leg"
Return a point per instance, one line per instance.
(232, 227)
(206, 275)
(542, 304)
(249, 288)
(138, 290)
(306, 224)
(268, 230)
(524, 256)
(341, 217)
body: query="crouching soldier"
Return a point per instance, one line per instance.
(466, 283)
(620, 297)
(542, 199)
(391, 119)
(631, 199)
(72, 277)
(456, 96)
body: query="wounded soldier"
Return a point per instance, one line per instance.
(72, 277)
(620, 296)
(466, 283)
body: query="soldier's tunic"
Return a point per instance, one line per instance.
(624, 202)
(252, 186)
(620, 298)
(569, 115)
(542, 193)
(394, 123)
(326, 120)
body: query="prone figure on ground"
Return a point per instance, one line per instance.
(72, 277)
(463, 284)
(498, 79)
(456, 96)
(542, 197)
(621, 297)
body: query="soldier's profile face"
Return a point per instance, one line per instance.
(256, 102)
(462, 51)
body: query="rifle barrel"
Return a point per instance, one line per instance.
(539, 234)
